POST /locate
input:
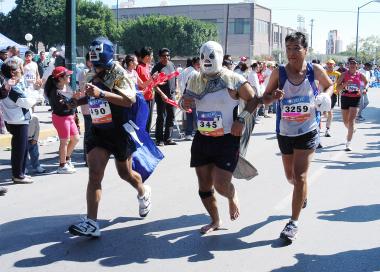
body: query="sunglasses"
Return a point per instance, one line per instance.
(165, 56)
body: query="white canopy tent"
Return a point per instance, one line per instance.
(5, 42)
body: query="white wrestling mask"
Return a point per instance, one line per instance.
(211, 55)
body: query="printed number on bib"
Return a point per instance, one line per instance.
(296, 109)
(100, 111)
(210, 123)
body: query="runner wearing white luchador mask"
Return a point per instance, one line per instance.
(215, 149)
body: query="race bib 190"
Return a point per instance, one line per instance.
(210, 123)
(100, 111)
(296, 109)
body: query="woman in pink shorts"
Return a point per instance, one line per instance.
(59, 93)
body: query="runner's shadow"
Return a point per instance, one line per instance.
(352, 165)
(20, 234)
(364, 155)
(361, 213)
(347, 261)
(161, 239)
(328, 148)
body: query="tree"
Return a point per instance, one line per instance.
(369, 49)
(95, 19)
(182, 35)
(44, 19)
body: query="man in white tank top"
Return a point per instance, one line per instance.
(297, 119)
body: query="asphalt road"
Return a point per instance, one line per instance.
(339, 230)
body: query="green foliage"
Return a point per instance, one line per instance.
(182, 35)
(369, 49)
(95, 19)
(46, 21)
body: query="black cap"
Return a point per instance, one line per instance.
(28, 52)
(3, 51)
(352, 59)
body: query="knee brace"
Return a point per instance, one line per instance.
(207, 194)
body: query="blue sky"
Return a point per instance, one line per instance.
(327, 15)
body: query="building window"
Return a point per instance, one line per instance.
(262, 26)
(239, 26)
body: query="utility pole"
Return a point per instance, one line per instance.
(311, 33)
(71, 37)
(117, 26)
(226, 38)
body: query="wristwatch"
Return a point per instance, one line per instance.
(102, 94)
(241, 120)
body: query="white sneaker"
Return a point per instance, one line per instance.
(188, 138)
(66, 169)
(87, 227)
(25, 180)
(145, 201)
(70, 164)
(348, 146)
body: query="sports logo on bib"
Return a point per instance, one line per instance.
(352, 87)
(100, 111)
(333, 78)
(210, 123)
(296, 109)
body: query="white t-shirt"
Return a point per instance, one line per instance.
(132, 75)
(254, 81)
(367, 75)
(30, 74)
(267, 73)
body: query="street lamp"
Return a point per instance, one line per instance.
(357, 26)
(28, 38)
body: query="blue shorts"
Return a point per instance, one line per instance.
(309, 140)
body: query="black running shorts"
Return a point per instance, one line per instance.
(349, 102)
(114, 140)
(305, 141)
(222, 151)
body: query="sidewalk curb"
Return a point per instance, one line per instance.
(5, 140)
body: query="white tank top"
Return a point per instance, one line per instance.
(215, 113)
(298, 111)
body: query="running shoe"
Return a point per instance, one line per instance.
(170, 142)
(69, 163)
(87, 227)
(289, 232)
(39, 170)
(188, 138)
(348, 147)
(145, 201)
(327, 133)
(3, 190)
(24, 180)
(66, 169)
(360, 118)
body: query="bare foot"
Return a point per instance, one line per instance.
(234, 207)
(210, 228)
